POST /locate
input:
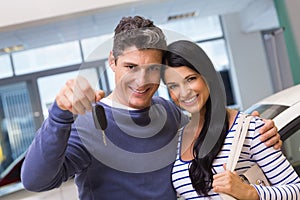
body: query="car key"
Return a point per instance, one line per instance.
(100, 120)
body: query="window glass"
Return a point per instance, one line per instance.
(96, 48)
(216, 51)
(162, 91)
(47, 57)
(110, 77)
(48, 91)
(103, 79)
(291, 149)
(196, 28)
(5, 67)
(17, 126)
(267, 111)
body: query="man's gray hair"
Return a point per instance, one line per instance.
(137, 32)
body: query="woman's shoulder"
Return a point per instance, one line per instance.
(232, 117)
(235, 117)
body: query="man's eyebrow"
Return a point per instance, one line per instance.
(130, 63)
(154, 65)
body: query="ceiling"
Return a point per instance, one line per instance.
(257, 14)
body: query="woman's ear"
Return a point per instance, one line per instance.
(112, 61)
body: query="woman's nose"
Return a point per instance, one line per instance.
(185, 90)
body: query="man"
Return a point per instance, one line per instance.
(133, 158)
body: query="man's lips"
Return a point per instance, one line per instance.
(140, 91)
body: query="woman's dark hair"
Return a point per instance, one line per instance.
(183, 53)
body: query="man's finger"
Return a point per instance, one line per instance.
(255, 113)
(268, 127)
(99, 94)
(272, 141)
(278, 145)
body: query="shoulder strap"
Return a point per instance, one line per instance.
(238, 141)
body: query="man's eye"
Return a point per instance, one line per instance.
(130, 66)
(155, 68)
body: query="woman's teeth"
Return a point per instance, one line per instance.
(190, 100)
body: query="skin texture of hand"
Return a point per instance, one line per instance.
(269, 133)
(230, 183)
(77, 96)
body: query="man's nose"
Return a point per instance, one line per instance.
(141, 77)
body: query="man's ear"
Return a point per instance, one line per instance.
(112, 61)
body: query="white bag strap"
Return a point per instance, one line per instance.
(238, 141)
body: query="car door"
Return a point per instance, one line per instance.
(290, 136)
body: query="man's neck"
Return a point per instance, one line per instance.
(108, 101)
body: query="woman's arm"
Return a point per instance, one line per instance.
(285, 181)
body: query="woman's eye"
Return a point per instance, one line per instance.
(171, 87)
(191, 79)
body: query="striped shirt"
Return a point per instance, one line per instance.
(285, 181)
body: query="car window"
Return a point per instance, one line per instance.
(267, 111)
(291, 144)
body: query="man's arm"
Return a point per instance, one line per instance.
(50, 158)
(56, 152)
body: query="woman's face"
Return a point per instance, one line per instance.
(187, 88)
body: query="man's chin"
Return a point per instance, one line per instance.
(139, 103)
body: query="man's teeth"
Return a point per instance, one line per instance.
(140, 91)
(190, 100)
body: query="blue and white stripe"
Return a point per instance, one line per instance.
(285, 181)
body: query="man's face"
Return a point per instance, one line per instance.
(137, 76)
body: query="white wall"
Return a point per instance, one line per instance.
(17, 13)
(251, 78)
(259, 15)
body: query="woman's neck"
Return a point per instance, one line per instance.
(196, 122)
(191, 133)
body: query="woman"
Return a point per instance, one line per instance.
(194, 86)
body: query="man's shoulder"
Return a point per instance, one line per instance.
(161, 100)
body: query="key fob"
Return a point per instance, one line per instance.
(99, 117)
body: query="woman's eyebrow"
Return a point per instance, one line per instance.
(170, 83)
(188, 76)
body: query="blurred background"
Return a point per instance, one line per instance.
(254, 44)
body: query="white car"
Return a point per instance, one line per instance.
(284, 108)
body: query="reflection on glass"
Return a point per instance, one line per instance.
(267, 111)
(5, 67)
(96, 48)
(17, 126)
(217, 52)
(291, 149)
(110, 76)
(47, 58)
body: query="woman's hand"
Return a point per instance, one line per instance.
(230, 183)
